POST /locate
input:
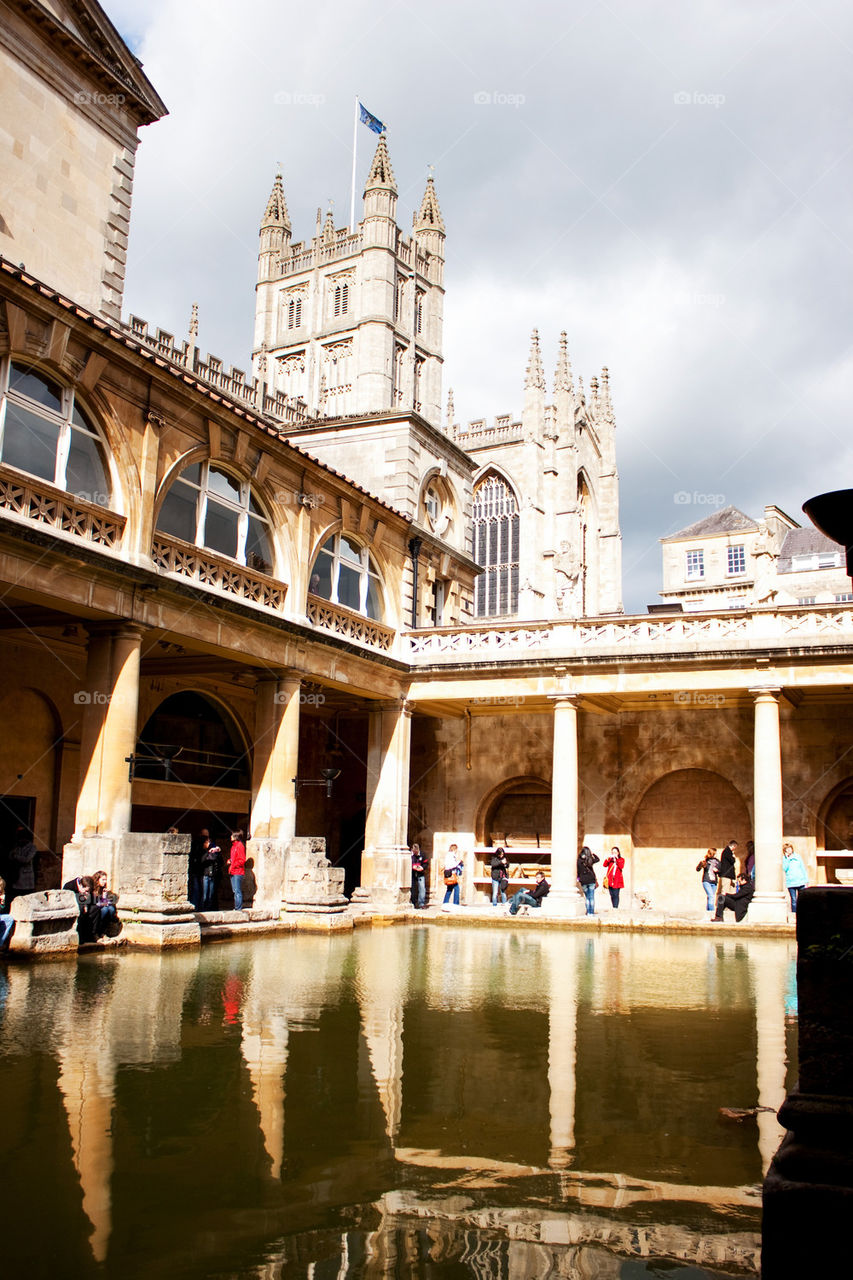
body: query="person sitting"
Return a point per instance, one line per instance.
(104, 914)
(7, 923)
(738, 902)
(83, 889)
(531, 898)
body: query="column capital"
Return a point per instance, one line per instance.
(572, 699)
(274, 675)
(402, 706)
(121, 629)
(766, 691)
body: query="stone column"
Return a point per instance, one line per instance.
(768, 906)
(385, 865)
(275, 765)
(565, 898)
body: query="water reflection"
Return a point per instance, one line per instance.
(431, 1100)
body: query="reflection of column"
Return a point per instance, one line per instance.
(768, 905)
(264, 1045)
(87, 1075)
(562, 1049)
(565, 896)
(386, 870)
(276, 764)
(768, 980)
(382, 985)
(108, 737)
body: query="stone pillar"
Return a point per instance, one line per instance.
(275, 765)
(565, 898)
(385, 864)
(808, 1191)
(769, 905)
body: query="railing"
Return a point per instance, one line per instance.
(201, 567)
(31, 499)
(350, 625)
(343, 247)
(480, 432)
(762, 628)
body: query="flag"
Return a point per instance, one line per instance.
(372, 122)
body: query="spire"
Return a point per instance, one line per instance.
(451, 413)
(329, 225)
(606, 402)
(429, 216)
(381, 174)
(535, 379)
(563, 374)
(276, 214)
(193, 329)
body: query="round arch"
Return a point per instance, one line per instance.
(347, 572)
(834, 833)
(194, 738)
(30, 762)
(519, 806)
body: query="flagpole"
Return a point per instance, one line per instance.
(352, 188)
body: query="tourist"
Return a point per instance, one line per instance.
(237, 867)
(749, 863)
(418, 878)
(196, 868)
(83, 889)
(500, 876)
(104, 915)
(614, 881)
(7, 924)
(728, 868)
(20, 861)
(587, 879)
(210, 852)
(710, 868)
(532, 897)
(453, 863)
(738, 902)
(795, 873)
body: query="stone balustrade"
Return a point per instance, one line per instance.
(31, 499)
(348, 624)
(812, 628)
(217, 573)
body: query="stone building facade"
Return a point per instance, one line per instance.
(214, 594)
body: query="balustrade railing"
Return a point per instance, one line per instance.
(217, 573)
(32, 499)
(352, 626)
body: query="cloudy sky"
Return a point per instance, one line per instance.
(668, 182)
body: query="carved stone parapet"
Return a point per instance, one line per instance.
(31, 499)
(347, 623)
(217, 573)
(45, 923)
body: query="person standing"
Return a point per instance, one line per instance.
(418, 878)
(500, 876)
(21, 863)
(710, 868)
(749, 861)
(196, 868)
(452, 872)
(728, 868)
(614, 866)
(210, 852)
(531, 897)
(795, 874)
(587, 879)
(237, 867)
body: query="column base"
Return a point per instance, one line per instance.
(391, 874)
(768, 908)
(565, 904)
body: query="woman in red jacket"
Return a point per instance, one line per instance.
(237, 868)
(615, 882)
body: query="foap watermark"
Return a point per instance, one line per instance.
(684, 499)
(298, 98)
(305, 699)
(497, 99)
(97, 498)
(294, 498)
(97, 698)
(697, 698)
(498, 700)
(694, 98)
(85, 99)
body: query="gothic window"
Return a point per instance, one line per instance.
(291, 374)
(419, 378)
(399, 372)
(340, 298)
(45, 432)
(419, 311)
(294, 311)
(495, 548)
(345, 574)
(211, 508)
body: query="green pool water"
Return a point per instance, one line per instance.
(419, 1101)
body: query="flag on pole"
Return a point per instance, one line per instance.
(372, 122)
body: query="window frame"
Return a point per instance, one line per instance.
(63, 420)
(695, 571)
(243, 510)
(367, 572)
(498, 584)
(736, 551)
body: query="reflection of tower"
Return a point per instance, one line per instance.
(562, 1047)
(382, 986)
(768, 981)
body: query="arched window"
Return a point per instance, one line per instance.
(213, 509)
(294, 311)
(345, 574)
(340, 298)
(45, 432)
(495, 548)
(190, 739)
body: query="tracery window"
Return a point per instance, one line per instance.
(294, 311)
(45, 432)
(345, 574)
(212, 508)
(495, 548)
(340, 298)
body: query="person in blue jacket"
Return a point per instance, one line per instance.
(795, 873)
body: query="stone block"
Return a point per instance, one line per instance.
(311, 883)
(45, 923)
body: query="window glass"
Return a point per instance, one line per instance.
(349, 587)
(30, 441)
(258, 553)
(221, 528)
(35, 385)
(373, 604)
(350, 551)
(223, 485)
(496, 548)
(178, 512)
(344, 574)
(321, 578)
(85, 474)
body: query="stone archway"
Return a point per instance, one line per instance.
(681, 815)
(834, 834)
(516, 812)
